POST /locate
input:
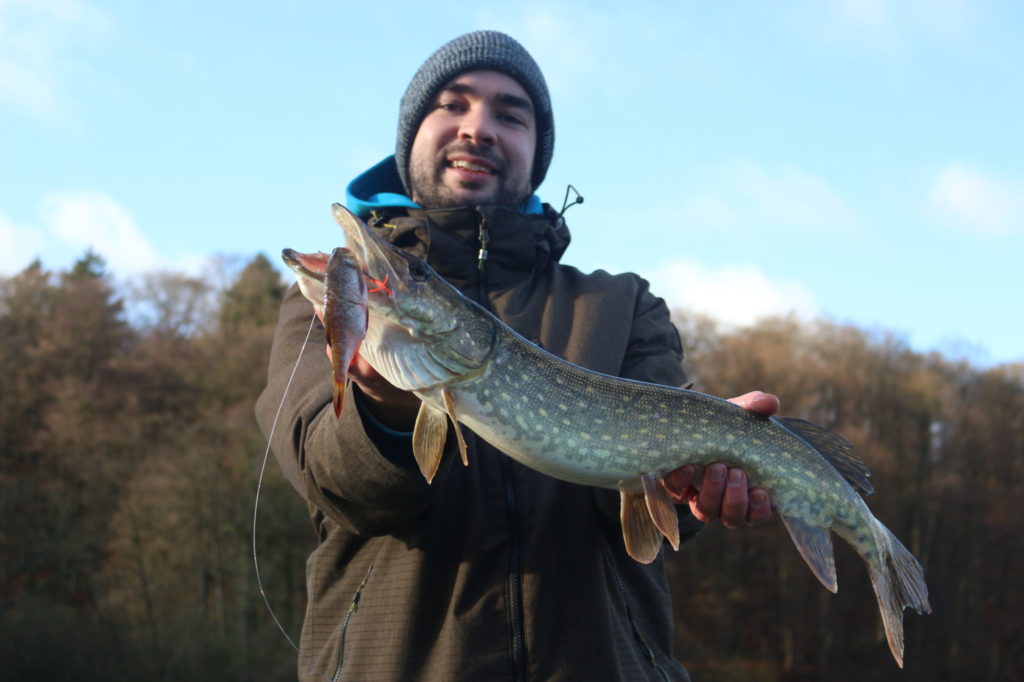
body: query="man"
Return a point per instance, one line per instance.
(493, 571)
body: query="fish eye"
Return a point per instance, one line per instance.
(418, 270)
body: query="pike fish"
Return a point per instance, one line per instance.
(581, 426)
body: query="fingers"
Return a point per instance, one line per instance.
(724, 496)
(677, 483)
(393, 407)
(760, 506)
(763, 403)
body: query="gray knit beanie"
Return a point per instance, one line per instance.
(476, 51)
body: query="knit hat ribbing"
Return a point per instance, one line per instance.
(476, 51)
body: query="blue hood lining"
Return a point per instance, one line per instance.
(380, 187)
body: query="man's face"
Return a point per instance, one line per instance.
(476, 144)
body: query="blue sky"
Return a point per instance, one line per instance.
(854, 159)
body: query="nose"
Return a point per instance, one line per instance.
(477, 126)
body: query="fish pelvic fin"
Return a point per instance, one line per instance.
(661, 508)
(428, 439)
(642, 537)
(449, 405)
(898, 581)
(836, 450)
(815, 545)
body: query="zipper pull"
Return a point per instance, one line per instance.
(485, 238)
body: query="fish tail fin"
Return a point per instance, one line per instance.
(338, 393)
(339, 371)
(898, 581)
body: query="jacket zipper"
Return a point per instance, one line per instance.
(352, 608)
(514, 583)
(641, 641)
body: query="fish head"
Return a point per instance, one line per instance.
(406, 291)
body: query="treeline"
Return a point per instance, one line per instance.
(945, 444)
(130, 459)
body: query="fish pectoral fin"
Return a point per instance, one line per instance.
(642, 537)
(428, 438)
(449, 405)
(815, 545)
(662, 508)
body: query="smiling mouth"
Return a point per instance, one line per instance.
(470, 166)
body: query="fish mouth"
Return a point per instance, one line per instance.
(371, 251)
(312, 265)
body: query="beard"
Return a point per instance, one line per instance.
(426, 175)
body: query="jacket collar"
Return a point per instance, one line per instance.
(517, 243)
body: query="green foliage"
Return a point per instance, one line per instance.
(130, 456)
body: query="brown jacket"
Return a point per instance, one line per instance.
(493, 572)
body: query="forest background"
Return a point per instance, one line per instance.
(129, 460)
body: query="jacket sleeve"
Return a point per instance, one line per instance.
(332, 462)
(655, 352)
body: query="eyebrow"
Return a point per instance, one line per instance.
(505, 98)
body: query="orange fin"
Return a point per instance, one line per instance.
(428, 438)
(338, 394)
(449, 404)
(339, 373)
(662, 509)
(642, 537)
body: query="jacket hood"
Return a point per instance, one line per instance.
(380, 187)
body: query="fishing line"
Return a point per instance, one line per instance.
(256, 507)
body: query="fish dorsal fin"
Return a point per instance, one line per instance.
(836, 450)
(815, 545)
(662, 509)
(642, 537)
(428, 438)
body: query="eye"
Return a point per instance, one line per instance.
(419, 270)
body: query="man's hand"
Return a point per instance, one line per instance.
(723, 493)
(392, 407)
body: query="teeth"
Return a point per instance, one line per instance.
(469, 166)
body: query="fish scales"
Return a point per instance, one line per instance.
(589, 428)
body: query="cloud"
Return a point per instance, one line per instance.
(971, 201)
(36, 37)
(19, 245)
(82, 220)
(892, 28)
(736, 294)
(746, 197)
(72, 222)
(889, 18)
(894, 25)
